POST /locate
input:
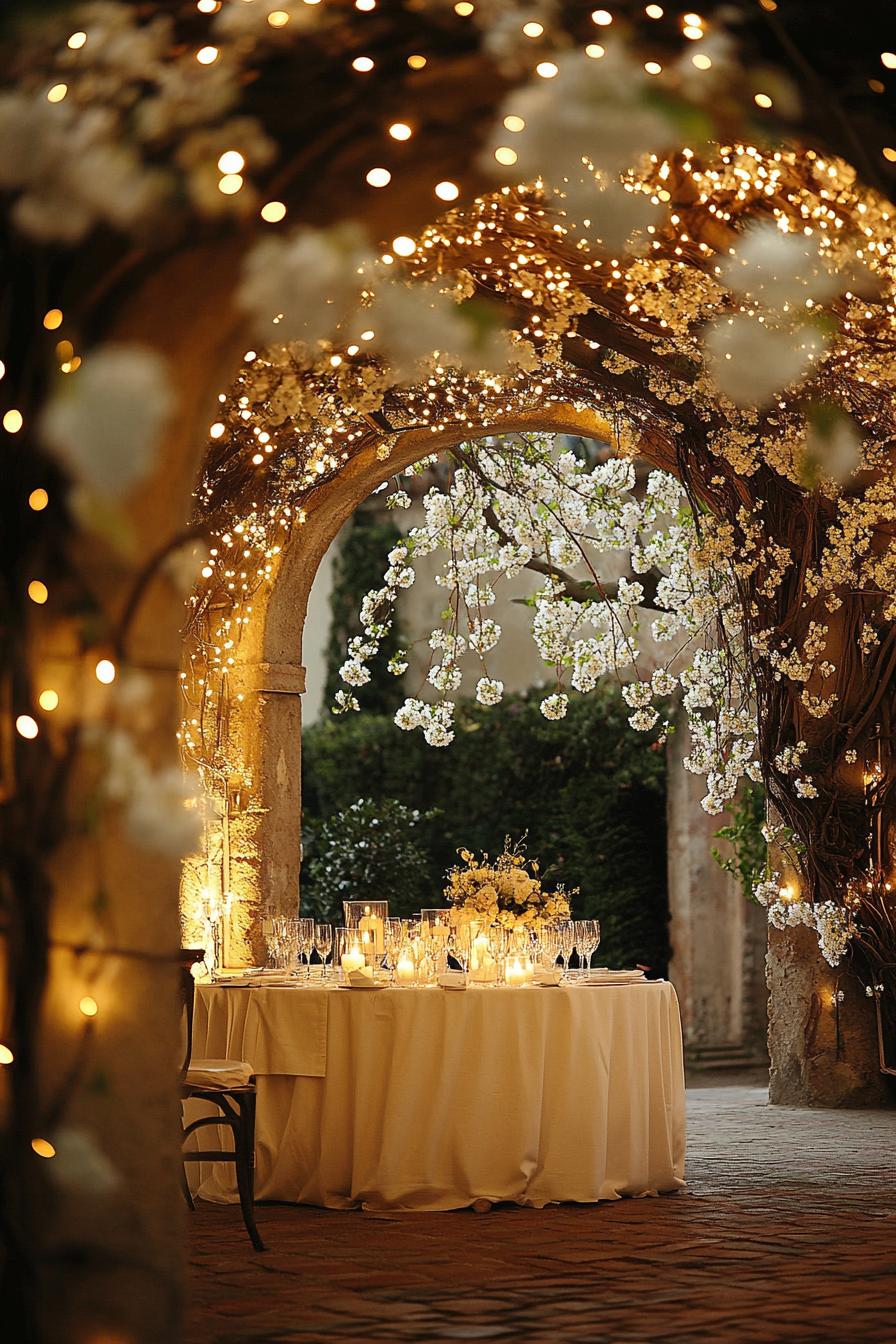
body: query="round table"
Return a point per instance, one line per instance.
(425, 1098)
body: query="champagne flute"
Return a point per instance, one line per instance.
(587, 938)
(304, 943)
(323, 946)
(393, 937)
(566, 939)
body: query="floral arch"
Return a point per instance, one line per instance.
(770, 399)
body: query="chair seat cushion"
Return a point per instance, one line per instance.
(220, 1073)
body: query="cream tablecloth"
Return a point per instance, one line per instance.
(431, 1099)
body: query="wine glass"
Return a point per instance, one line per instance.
(393, 937)
(304, 943)
(587, 939)
(459, 945)
(323, 945)
(566, 941)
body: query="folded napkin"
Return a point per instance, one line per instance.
(453, 980)
(542, 976)
(362, 978)
(614, 978)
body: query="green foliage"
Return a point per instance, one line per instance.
(368, 851)
(588, 791)
(745, 837)
(357, 570)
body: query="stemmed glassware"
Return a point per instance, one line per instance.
(587, 935)
(304, 937)
(566, 941)
(393, 937)
(459, 946)
(323, 946)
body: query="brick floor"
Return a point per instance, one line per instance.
(787, 1231)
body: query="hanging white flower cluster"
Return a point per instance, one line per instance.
(531, 500)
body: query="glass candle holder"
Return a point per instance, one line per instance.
(369, 918)
(349, 955)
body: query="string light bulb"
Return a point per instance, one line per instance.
(105, 671)
(231, 161)
(27, 727)
(6, 1055)
(76, 41)
(38, 592)
(207, 55)
(57, 93)
(38, 499)
(43, 1148)
(48, 700)
(89, 1006)
(378, 177)
(273, 211)
(404, 246)
(53, 319)
(13, 421)
(363, 64)
(447, 191)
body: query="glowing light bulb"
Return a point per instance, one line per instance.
(602, 17)
(6, 1055)
(506, 156)
(653, 67)
(654, 11)
(13, 421)
(48, 700)
(464, 8)
(363, 64)
(57, 93)
(547, 69)
(273, 211)
(595, 51)
(207, 55)
(365, 6)
(77, 40)
(379, 177)
(216, 430)
(38, 500)
(403, 245)
(105, 671)
(231, 161)
(533, 29)
(447, 191)
(43, 1148)
(416, 62)
(400, 130)
(230, 184)
(278, 18)
(53, 319)
(27, 727)
(888, 59)
(512, 123)
(38, 592)
(701, 61)
(762, 100)
(89, 1006)
(692, 33)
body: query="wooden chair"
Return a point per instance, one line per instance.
(229, 1085)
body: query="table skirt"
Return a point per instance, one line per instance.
(433, 1099)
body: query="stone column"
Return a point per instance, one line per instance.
(717, 936)
(264, 822)
(823, 1046)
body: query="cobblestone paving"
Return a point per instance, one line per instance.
(787, 1231)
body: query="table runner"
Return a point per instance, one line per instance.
(431, 1099)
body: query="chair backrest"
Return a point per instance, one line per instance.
(189, 957)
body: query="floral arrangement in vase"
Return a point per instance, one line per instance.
(505, 891)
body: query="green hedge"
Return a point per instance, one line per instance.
(589, 791)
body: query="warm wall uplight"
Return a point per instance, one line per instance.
(400, 130)
(48, 700)
(273, 211)
(447, 191)
(38, 592)
(38, 499)
(89, 1006)
(379, 177)
(53, 319)
(27, 727)
(105, 671)
(13, 421)
(43, 1147)
(403, 246)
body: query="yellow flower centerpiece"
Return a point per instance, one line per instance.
(506, 891)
